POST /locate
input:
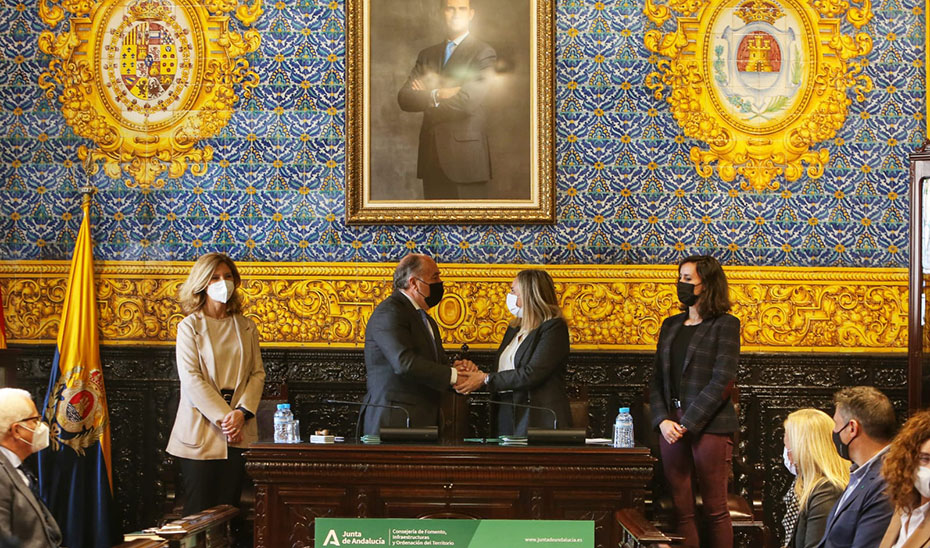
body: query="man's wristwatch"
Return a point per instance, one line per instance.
(487, 379)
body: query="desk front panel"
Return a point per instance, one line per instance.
(297, 483)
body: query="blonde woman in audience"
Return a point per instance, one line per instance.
(907, 475)
(821, 474)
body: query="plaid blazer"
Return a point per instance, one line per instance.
(707, 376)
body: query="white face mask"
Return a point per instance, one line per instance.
(788, 464)
(39, 436)
(512, 305)
(922, 481)
(221, 290)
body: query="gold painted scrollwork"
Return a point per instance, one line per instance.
(607, 308)
(759, 135)
(144, 81)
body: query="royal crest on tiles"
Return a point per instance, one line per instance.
(146, 80)
(762, 83)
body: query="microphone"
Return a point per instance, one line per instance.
(429, 433)
(555, 418)
(569, 436)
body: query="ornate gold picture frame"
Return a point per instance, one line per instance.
(461, 136)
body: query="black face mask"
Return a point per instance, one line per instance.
(435, 294)
(841, 448)
(686, 293)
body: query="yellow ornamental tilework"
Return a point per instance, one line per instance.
(610, 308)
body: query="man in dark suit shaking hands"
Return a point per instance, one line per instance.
(448, 85)
(405, 363)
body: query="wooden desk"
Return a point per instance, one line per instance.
(294, 484)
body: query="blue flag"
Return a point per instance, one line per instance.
(75, 477)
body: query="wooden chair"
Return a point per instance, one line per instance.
(639, 532)
(207, 529)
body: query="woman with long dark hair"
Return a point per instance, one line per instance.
(695, 371)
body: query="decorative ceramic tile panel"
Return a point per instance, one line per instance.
(628, 192)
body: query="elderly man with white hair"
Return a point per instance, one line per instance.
(23, 516)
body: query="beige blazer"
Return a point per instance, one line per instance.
(197, 433)
(919, 538)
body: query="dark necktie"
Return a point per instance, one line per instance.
(429, 328)
(33, 482)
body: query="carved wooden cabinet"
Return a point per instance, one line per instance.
(297, 483)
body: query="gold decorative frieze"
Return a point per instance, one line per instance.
(761, 83)
(609, 308)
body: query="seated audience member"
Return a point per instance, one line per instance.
(531, 359)
(907, 473)
(821, 473)
(23, 516)
(864, 423)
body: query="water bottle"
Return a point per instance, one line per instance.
(282, 418)
(623, 429)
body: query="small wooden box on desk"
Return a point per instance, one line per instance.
(295, 484)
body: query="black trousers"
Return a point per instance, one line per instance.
(208, 483)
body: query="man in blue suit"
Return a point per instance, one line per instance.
(864, 425)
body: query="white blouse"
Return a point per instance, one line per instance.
(505, 363)
(910, 523)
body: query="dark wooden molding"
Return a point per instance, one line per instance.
(142, 392)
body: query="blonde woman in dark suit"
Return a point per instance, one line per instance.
(690, 397)
(530, 363)
(222, 377)
(821, 474)
(907, 474)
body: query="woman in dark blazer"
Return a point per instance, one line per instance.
(690, 396)
(821, 474)
(529, 367)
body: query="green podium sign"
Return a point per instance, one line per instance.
(454, 533)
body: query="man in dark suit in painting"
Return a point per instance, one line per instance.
(448, 85)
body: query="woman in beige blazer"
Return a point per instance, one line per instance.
(221, 373)
(907, 475)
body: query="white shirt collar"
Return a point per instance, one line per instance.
(11, 456)
(458, 40)
(865, 466)
(409, 298)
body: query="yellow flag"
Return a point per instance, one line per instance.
(76, 407)
(2, 325)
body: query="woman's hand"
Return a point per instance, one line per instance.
(470, 381)
(232, 425)
(671, 431)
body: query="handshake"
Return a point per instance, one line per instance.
(470, 378)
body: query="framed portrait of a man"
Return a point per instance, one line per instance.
(450, 111)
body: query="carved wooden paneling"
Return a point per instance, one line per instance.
(142, 388)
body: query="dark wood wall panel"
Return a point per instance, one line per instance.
(142, 390)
